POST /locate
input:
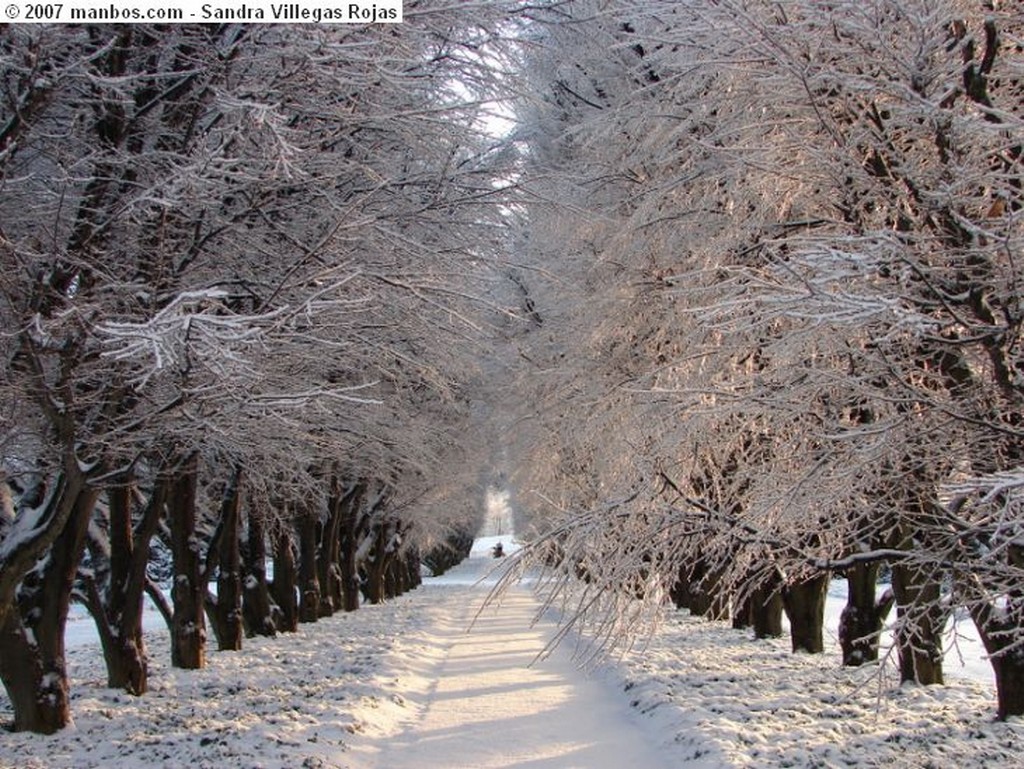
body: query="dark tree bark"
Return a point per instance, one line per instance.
(804, 603)
(351, 532)
(920, 621)
(681, 591)
(55, 508)
(376, 566)
(329, 553)
(228, 606)
(414, 569)
(766, 607)
(766, 612)
(393, 581)
(188, 593)
(34, 672)
(257, 609)
(400, 576)
(742, 613)
(126, 654)
(861, 620)
(284, 586)
(762, 606)
(998, 632)
(309, 584)
(118, 610)
(412, 576)
(705, 595)
(371, 573)
(21, 669)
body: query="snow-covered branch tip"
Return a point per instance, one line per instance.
(195, 324)
(1008, 483)
(306, 396)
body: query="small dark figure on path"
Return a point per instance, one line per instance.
(498, 550)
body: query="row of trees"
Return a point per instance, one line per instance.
(771, 315)
(244, 279)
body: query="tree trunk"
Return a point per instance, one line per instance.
(51, 513)
(920, 621)
(742, 613)
(999, 632)
(21, 669)
(412, 576)
(398, 579)
(228, 606)
(125, 653)
(120, 620)
(804, 603)
(348, 545)
(681, 591)
(374, 587)
(257, 609)
(329, 555)
(34, 672)
(309, 584)
(284, 586)
(393, 577)
(188, 593)
(766, 608)
(860, 623)
(706, 597)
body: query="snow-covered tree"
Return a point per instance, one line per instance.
(224, 247)
(788, 305)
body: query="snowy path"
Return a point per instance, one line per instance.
(486, 702)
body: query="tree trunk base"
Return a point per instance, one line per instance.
(804, 603)
(39, 696)
(127, 668)
(860, 623)
(766, 613)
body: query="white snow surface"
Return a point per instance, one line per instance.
(416, 682)
(482, 700)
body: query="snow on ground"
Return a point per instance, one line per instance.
(488, 702)
(291, 702)
(748, 703)
(402, 685)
